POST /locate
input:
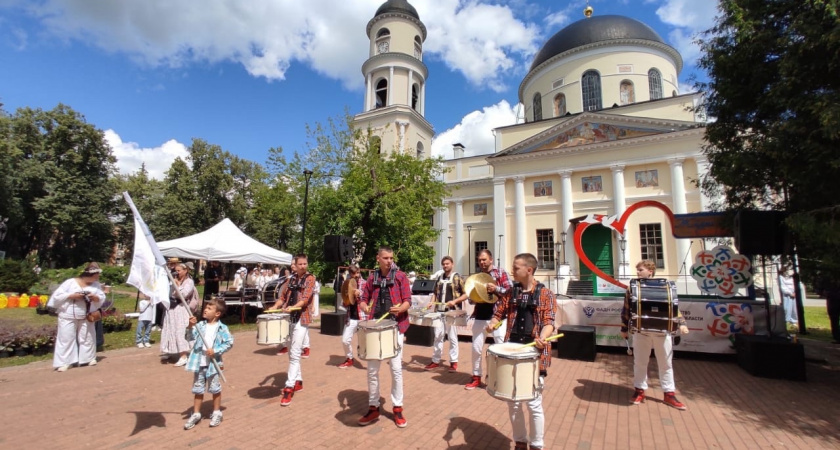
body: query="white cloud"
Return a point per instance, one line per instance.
(485, 42)
(689, 17)
(475, 131)
(130, 156)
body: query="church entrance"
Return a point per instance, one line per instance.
(597, 245)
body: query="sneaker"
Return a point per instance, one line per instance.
(147, 345)
(520, 446)
(283, 350)
(63, 368)
(371, 416)
(181, 362)
(92, 363)
(347, 363)
(474, 383)
(432, 366)
(216, 419)
(194, 419)
(399, 418)
(298, 385)
(454, 367)
(140, 345)
(671, 400)
(638, 396)
(288, 393)
(305, 353)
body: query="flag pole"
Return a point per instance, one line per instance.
(159, 260)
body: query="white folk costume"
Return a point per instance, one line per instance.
(177, 318)
(75, 342)
(448, 288)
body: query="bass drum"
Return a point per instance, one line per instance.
(271, 289)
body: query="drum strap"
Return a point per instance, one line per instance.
(383, 302)
(445, 291)
(526, 305)
(295, 287)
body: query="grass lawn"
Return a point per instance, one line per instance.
(816, 322)
(125, 297)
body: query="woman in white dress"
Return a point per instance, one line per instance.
(172, 337)
(77, 301)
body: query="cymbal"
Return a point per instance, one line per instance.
(476, 287)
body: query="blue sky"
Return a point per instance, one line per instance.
(250, 75)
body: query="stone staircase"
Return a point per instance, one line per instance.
(579, 288)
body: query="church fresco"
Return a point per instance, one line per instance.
(590, 133)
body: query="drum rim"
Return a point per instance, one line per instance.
(273, 315)
(387, 323)
(527, 353)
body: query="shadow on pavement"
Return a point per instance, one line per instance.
(353, 404)
(267, 390)
(592, 391)
(476, 435)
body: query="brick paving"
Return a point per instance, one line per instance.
(130, 400)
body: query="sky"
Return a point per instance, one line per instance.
(251, 75)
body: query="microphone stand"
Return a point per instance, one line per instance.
(684, 269)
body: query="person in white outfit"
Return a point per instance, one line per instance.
(351, 290)
(786, 285)
(447, 296)
(77, 301)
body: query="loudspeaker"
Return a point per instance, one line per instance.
(338, 248)
(770, 357)
(333, 323)
(420, 335)
(760, 232)
(578, 342)
(423, 287)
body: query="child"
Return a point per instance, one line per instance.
(642, 343)
(144, 324)
(218, 334)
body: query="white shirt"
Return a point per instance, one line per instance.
(147, 310)
(210, 330)
(75, 309)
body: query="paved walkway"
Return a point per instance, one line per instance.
(130, 400)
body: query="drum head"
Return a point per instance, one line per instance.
(372, 325)
(512, 350)
(272, 316)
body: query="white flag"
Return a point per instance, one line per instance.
(145, 275)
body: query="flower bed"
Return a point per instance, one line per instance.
(27, 340)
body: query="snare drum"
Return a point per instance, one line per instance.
(378, 341)
(456, 317)
(419, 315)
(513, 374)
(272, 329)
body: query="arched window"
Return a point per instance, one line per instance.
(537, 106)
(381, 93)
(418, 48)
(419, 150)
(655, 84)
(591, 86)
(383, 41)
(383, 33)
(627, 94)
(559, 105)
(376, 144)
(673, 93)
(415, 96)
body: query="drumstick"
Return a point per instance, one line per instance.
(268, 311)
(383, 316)
(533, 344)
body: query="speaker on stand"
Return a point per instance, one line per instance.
(338, 249)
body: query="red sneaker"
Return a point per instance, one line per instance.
(370, 417)
(453, 367)
(399, 418)
(347, 363)
(638, 396)
(298, 385)
(283, 350)
(432, 366)
(520, 446)
(305, 353)
(474, 383)
(671, 400)
(288, 393)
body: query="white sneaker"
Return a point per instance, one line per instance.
(63, 368)
(194, 419)
(181, 362)
(216, 419)
(147, 345)
(140, 346)
(92, 363)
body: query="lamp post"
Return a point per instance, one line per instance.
(307, 174)
(622, 243)
(563, 245)
(499, 252)
(469, 250)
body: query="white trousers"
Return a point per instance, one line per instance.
(306, 338)
(396, 377)
(537, 421)
(478, 338)
(75, 342)
(451, 331)
(299, 332)
(662, 346)
(347, 337)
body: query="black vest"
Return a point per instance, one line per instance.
(295, 286)
(383, 302)
(444, 295)
(526, 311)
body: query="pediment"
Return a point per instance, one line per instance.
(592, 128)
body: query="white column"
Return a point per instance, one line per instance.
(368, 87)
(500, 218)
(390, 86)
(703, 171)
(680, 207)
(410, 82)
(568, 214)
(519, 211)
(401, 136)
(423, 99)
(458, 246)
(619, 204)
(443, 240)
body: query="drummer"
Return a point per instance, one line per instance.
(351, 289)
(296, 300)
(387, 290)
(447, 296)
(530, 311)
(483, 312)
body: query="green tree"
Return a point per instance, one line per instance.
(178, 214)
(774, 69)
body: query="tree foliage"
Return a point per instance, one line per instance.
(774, 69)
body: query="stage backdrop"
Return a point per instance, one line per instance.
(712, 325)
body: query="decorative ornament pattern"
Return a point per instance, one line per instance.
(729, 319)
(721, 271)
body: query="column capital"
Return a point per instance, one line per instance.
(675, 161)
(519, 179)
(617, 168)
(498, 181)
(701, 159)
(565, 173)
(459, 203)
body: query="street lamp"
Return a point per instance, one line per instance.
(499, 252)
(469, 250)
(307, 174)
(622, 243)
(563, 241)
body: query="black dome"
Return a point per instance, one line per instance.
(591, 30)
(397, 6)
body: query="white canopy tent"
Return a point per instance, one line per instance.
(223, 242)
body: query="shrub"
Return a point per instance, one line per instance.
(16, 276)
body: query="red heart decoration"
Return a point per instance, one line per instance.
(618, 226)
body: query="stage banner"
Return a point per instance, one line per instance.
(712, 325)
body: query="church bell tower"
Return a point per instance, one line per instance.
(395, 81)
